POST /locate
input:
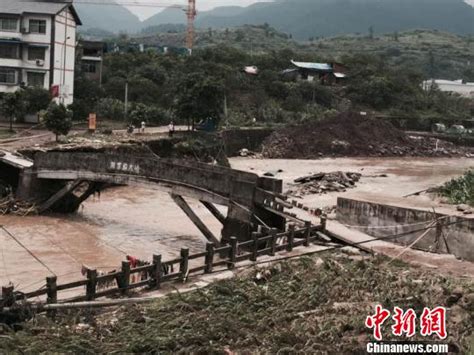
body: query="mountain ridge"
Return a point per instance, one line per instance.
(305, 18)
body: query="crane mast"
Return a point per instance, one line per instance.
(191, 15)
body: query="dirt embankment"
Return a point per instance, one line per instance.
(350, 134)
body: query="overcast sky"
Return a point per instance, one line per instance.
(144, 12)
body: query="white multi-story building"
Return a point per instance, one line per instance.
(457, 86)
(38, 45)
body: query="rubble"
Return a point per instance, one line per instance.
(350, 134)
(321, 183)
(8, 205)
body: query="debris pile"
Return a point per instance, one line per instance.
(321, 183)
(8, 205)
(350, 134)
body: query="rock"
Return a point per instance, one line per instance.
(463, 208)
(82, 327)
(350, 250)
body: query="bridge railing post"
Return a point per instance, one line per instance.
(157, 271)
(51, 292)
(209, 259)
(125, 283)
(291, 237)
(8, 297)
(184, 264)
(307, 233)
(91, 284)
(232, 252)
(273, 240)
(254, 255)
(324, 221)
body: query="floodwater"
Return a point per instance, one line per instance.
(142, 222)
(123, 221)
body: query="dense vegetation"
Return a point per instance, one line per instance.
(309, 306)
(211, 82)
(461, 190)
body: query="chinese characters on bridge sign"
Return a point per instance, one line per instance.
(432, 321)
(124, 167)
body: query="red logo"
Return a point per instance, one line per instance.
(377, 320)
(431, 322)
(434, 322)
(405, 322)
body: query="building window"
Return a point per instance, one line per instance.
(36, 53)
(8, 76)
(35, 79)
(89, 67)
(37, 26)
(9, 51)
(8, 24)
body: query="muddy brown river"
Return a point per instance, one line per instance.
(142, 222)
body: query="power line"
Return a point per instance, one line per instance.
(29, 251)
(130, 3)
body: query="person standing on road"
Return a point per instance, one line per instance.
(171, 129)
(142, 130)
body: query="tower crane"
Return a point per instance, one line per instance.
(190, 11)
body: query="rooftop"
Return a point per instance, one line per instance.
(313, 66)
(19, 7)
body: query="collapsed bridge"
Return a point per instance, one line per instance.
(253, 202)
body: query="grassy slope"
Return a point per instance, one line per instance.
(452, 54)
(243, 315)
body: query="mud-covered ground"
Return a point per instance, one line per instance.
(353, 135)
(312, 305)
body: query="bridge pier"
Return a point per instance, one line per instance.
(179, 200)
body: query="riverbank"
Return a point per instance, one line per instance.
(311, 305)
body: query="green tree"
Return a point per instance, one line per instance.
(13, 107)
(58, 119)
(36, 99)
(149, 114)
(200, 97)
(111, 109)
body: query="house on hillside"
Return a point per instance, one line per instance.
(91, 55)
(326, 73)
(457, 86)
(38, 46)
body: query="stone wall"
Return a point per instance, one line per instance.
(454, 234)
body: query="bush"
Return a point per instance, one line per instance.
(149, 114)
(58, 119)
(460, 191)
(36, 99)
(112, 109)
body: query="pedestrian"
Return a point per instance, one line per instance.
(142, 129)
(130, 129)
(171, 129)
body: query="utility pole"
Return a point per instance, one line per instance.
(126, 99)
